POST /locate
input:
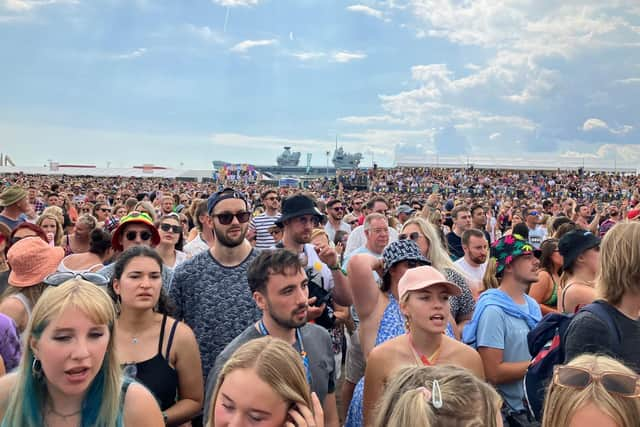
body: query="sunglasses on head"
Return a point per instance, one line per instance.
(57, 279)
(226, 218)
(411, 236)
(579, 378)
(144, 235)
(173, 228)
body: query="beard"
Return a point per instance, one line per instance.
(289, 323)
(220, 235)
(478, 259)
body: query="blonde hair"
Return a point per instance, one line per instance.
(102, 400)
(319, 232)
(88, 220)
(56, 211)
(490, 280)
(561, 403)
(438, 255)
(466, 400)
(276, 363)
(57, 239)
(619, 260)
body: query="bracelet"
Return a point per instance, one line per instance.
(335, 267)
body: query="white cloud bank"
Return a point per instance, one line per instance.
(244, 46)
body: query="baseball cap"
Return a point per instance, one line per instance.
(423, 277)
(224, 194)
(405, 209)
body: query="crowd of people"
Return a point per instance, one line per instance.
(413, 302)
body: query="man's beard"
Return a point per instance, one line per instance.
(225, 241)
(288, 323)
(478, 260)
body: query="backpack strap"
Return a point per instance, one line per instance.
(604, 314)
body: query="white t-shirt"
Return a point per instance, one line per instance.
(357, 238)
(473, 274)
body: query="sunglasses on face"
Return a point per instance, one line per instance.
(226, 218)
(573, 377)
(105, 209)
(412, 263)
(85, 210)
(304, 220)
(411, 236)
(16, 239)
(271, 199)
(338, 208)
(173, 228)
(57, 279)
(131, 235)
(273, 233)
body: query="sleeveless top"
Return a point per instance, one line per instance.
(27, 307)
(156, 374)
(391, 326)
(63, 268)
(553, 299)
(67, 247)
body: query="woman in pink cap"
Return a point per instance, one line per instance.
(424, 301)
(31, 260)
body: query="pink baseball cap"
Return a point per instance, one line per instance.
(422, 277)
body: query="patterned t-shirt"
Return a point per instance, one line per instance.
(215, 301)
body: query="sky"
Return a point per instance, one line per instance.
(182, 83)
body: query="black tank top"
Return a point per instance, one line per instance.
(157, 375)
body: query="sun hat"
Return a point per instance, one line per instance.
(401, 250)
(12, 195)
(296, 206)
(134, 218)
(506, 249)
(422, 277)
(575, 243)
(31, 260)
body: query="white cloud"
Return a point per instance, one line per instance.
(237, 3)
(494, 135)
(633, 80)
(27, 5)
(348, 56)
(244, 46)
(595, 124)
(205, 33)
(308, 56)
(131, 55)
(360, 8)
(365, 120)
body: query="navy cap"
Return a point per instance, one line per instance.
(224, 194)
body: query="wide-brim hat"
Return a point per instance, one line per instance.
(31, 260)
(296, 206)
(12, 195)
(401, 250)
(506, 249)
(575, 243)
(423, 277)
(134, 218)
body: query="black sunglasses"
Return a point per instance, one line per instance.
(168, 227)
(226, 218)
(131, 235)
(413, 263)
(57, 279)
(16, 239)
(338, 208)
(412, 236)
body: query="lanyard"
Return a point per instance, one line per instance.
(426, 361)
(303, 354)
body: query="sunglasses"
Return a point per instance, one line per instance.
(574, 377)
(57, 279)
(105, 209)
(168, 227)
(273, 198)
(413, 263)
(144, 235)
(338, 208)
(85, 210)
(354, 222)
(16, 239)
(227, 217)
(273, 233)
(411, 236)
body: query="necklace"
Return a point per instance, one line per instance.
(53, 411)
(427, 361)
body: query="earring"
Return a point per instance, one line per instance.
(407, 324)
(36, 369)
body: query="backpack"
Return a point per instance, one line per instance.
(546, 343)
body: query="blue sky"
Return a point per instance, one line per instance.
(186, 82)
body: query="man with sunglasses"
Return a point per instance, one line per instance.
(259, 226)
(335, 213)
(210, 291)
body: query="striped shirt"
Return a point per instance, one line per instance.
(261, 224)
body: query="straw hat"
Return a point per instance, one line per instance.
(31, 260)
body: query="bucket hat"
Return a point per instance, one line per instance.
(31, 260)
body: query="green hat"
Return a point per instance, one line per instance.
(12, 195)
(508, 248)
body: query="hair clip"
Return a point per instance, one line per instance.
(436, 398)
